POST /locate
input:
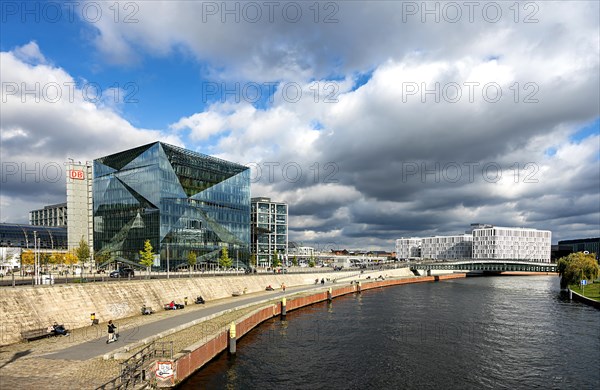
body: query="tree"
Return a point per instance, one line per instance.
(27, 257)
(224, 260)
(70, 258)
(147, 256)
(192, 258)
(83, 252)
(276, 261)
(101, 257)
(295, 261)
(311, 262)
(577, 266)
(253, 259)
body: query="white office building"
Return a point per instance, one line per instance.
(408, 248)
(511, 243)
(447, 247)
(301, 253)
(80, 204)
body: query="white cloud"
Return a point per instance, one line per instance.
(41, 130)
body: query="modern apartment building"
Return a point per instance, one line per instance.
(269, 230)
(53, 215)
(512, 243)
(180, 200)
(408, 248)
(447, 247)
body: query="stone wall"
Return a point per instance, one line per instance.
(25, 308)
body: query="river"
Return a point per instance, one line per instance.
(475, 333)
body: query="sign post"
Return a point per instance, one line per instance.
(583, 283)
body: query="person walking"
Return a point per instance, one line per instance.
(283, 287)
(111, 332)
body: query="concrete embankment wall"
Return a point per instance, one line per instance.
(197, 355)
(580, 298)
(25, 308)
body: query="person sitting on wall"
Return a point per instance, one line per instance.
(172, 305)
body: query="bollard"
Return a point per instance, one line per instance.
(283, 310)
(359, 287)
(232, 339)
(329, 294)
(570, 294)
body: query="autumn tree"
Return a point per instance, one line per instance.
(27, 257)
(147, 256)
(253, 259)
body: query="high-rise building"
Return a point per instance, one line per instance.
(53, 215)
(180, 200)
(79, 204)
(511, 243)
(269, 230)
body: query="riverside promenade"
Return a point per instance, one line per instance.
(83, 360)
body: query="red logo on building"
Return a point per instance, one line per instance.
(77, 175)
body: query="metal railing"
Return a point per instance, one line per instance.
(133, 369)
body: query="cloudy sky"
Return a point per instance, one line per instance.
(373, 120)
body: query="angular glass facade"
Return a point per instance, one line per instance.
(180, 200)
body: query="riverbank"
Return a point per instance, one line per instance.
(591, 297)
(195, 356)
(30, 366)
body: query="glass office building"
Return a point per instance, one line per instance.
(180, 200)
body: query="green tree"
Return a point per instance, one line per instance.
(192, 259)
(147, 256)
(224, 260)
(295, 261)
(102, 257)
(577, 266)
(311, 262)
(253, 259)
(275, 259)
(83, 253)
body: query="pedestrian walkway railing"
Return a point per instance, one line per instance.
(133, 369)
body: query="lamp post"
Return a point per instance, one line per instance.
(168, 260)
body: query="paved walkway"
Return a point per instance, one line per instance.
(98, 346)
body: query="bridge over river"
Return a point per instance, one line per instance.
(482, 267)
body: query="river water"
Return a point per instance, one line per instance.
(474, 333)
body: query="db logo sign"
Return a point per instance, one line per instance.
(77, 175)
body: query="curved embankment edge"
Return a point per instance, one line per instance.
(26, 307)
(192, 358)
(580, 298)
